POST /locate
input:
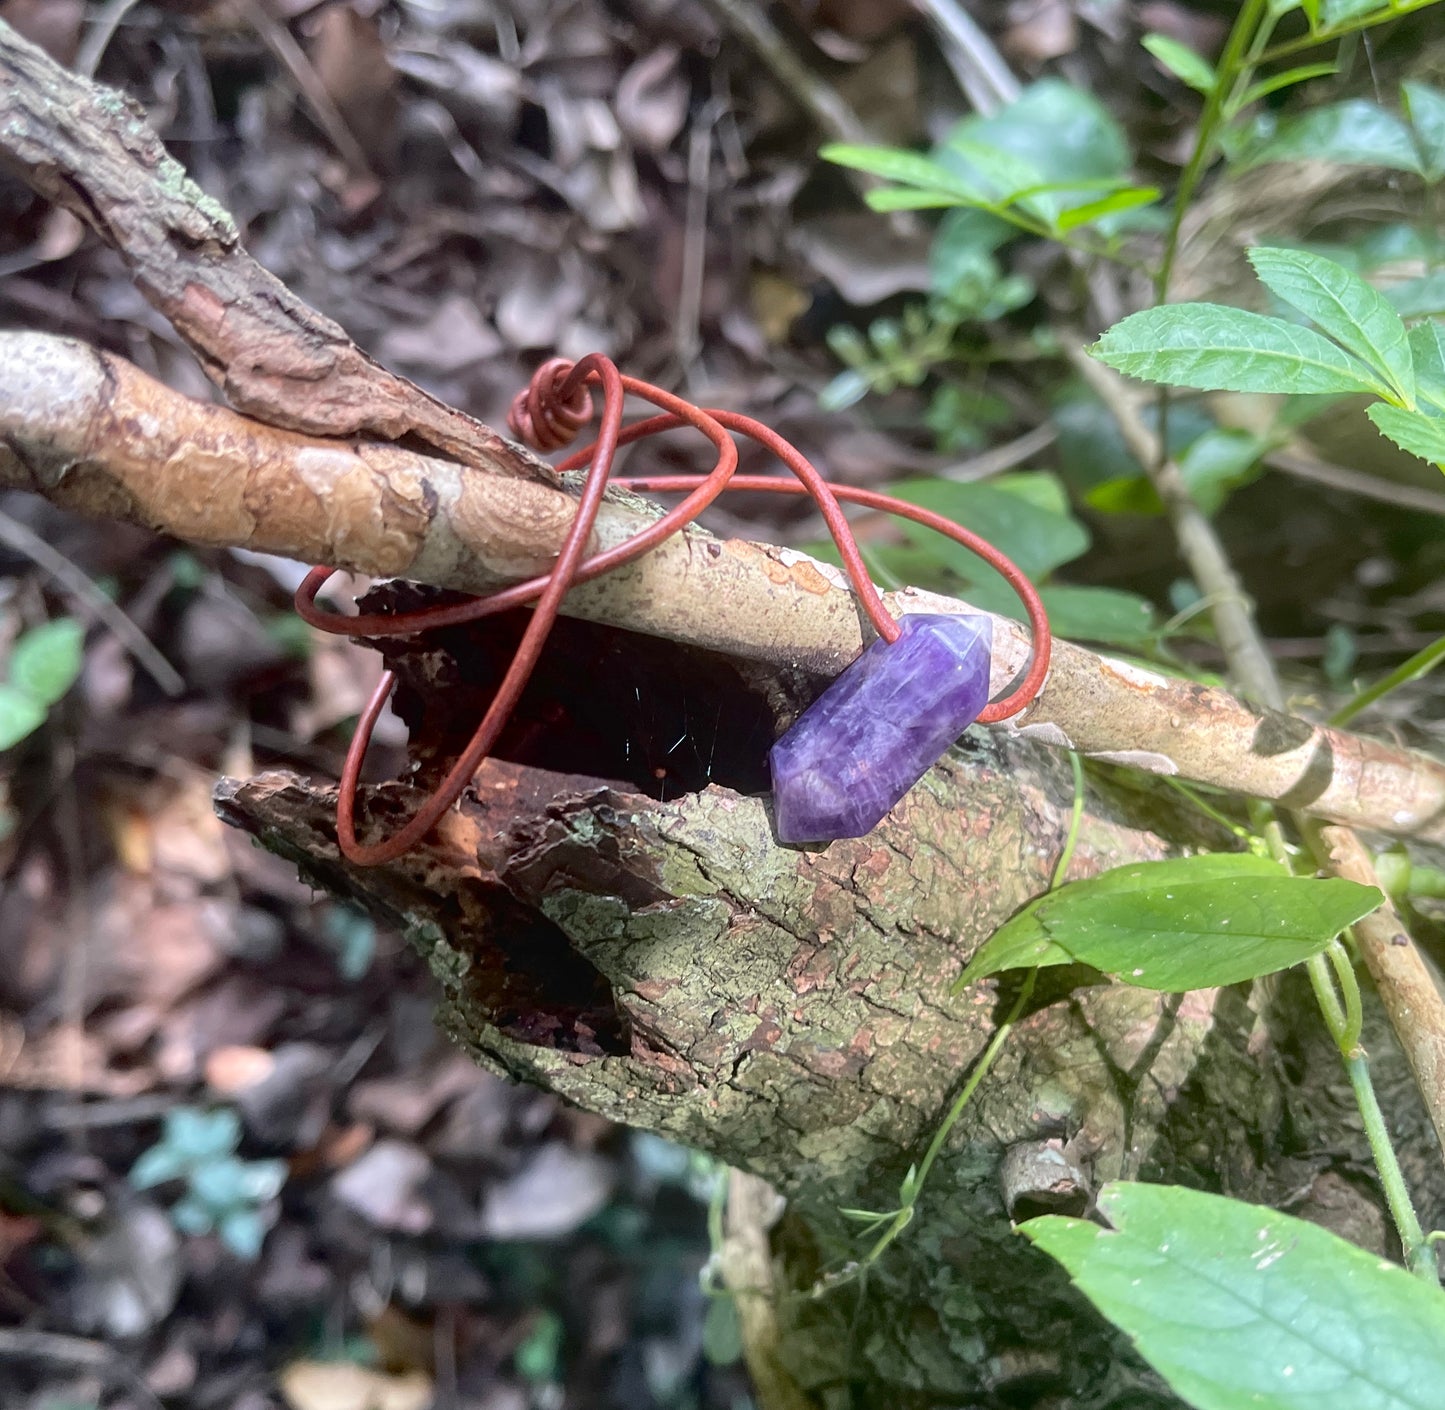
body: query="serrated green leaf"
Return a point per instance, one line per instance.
(1038, 540)
(1425, 107)
(1024, 941)
(1220, 349)
(1288, 79)
(21, 714)
(1239, 1306)
(1353, 133)
(1181, 61)
(1427, 347)
(1352, 312)
(1411, 430)
(1199, 934)
(45, 661)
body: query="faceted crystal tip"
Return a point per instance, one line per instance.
(867, 739)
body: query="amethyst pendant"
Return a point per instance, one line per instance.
(862, 744)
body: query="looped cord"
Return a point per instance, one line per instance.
(547, 415)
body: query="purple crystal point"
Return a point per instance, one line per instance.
(867, 739)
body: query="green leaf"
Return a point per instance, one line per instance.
(157, 1165)
(1336, 12)
(1352, 312)
(1062, 132)
(45, 661)
(1239, 1306)
(1127, 198)
(1220, 349)
(1411, 430)
(1196, 935)
(1353, 133)
(996, 174)
(21, 714)
(1219, 461)
(536, 1358)
(1181, 61)
(1427, 347)
(1425, 107)
(722, 1333)
(1023, 941)
(896, 164)
(1038, 540)
(911, 198)
(198, 1136)
(1288, 79)
(1107, 615)
(243, 1231)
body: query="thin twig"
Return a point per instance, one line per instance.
(1231, 609)
(1339, 477)
(821, 101)
(102, 31)
(15, 535)
(1414, 1005)
(278, 39)
(987, 81)
(996, 459)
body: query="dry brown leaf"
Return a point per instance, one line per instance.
(232, 1069)
(342, 1385)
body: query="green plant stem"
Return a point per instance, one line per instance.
(1344, 29)
(1075, 818)
(1232, 66)
(1419, 1255)
(980, 1070)
(1421, 663)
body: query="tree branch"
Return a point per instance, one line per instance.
(93, 433)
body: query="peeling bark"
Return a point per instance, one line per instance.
(789, 1011)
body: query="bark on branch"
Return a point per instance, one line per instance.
(91, 432)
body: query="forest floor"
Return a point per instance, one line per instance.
(356, 1215)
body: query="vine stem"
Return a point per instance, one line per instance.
(1416, 1010)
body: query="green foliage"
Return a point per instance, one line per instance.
(538, 1358)
(223, 1193)
(44, 664)
(1189, 923)
(1220, 349)
(1239, 1306)
(351, 934)
(1368, 349)
(1187, 66)
(1049, 163)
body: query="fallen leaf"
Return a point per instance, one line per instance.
(554, 1192)
(383, 1187)
(342, 1385)
(232, 1069)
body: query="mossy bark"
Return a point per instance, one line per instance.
(667, 964)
